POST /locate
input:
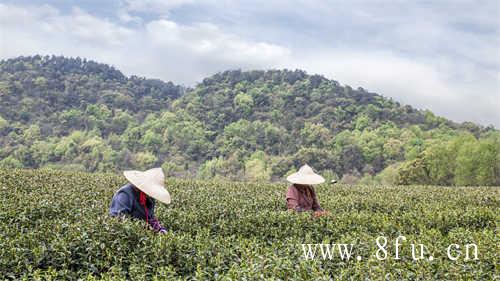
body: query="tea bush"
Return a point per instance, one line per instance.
(54, 225)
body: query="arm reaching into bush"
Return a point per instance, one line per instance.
(133, 199)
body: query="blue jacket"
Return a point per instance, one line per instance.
(126, 202)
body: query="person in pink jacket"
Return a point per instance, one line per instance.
(301, 195)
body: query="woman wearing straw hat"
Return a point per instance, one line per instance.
(137, 198)
(301, 195)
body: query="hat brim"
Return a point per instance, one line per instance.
(152, 189)
(305, 179)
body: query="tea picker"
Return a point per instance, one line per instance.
(137, 198)
(301, 195)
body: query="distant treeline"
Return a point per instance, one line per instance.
(71, 113)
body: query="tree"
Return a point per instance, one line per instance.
(11, 162)
(413, 172)
(466, 161)
(256, 168)
(320, 159)
(487, 152)
(151, 140)
(243, 103)
(362, 122)
(170, 169)
(440, 163)
(78, 114)
(314, 135)
(3, 124)
(43, 152)
(238, 135)
(145, 160)
(392, 149)
(225, 168)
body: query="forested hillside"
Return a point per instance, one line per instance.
(77, 114)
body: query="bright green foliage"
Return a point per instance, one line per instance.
(11, 162)
(170, 169)
(389, 176)
(145, 159)
(361, 122)
(467, 163)
(256, 168)
(244, 103)
(463, 160)
(315, 135)
(69, 112)
(152, 140)
(3, 123)
(213, 169)
(54, 226)
(440, 163)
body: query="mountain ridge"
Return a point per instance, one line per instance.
(256, 125)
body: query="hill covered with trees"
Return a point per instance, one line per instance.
(72, 113)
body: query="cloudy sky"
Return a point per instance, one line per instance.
(437, 55)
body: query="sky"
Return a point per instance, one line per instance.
(438, 55)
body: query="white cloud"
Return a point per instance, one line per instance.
(419, 84)
(154, 6)
(205, 39)
(159, 49)
(35, 29)
(191, 52)
(428, 62)
(128, 10)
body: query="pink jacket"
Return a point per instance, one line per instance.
(297, 199)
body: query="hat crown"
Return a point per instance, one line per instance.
(306, 170)
(151, 182)
(305, 175)
(156, 175)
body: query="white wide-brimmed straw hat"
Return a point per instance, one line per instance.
(151, 182)
(305, 175)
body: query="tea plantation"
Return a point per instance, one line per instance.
(54, 225)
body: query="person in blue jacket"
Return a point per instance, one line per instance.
(137, 198)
